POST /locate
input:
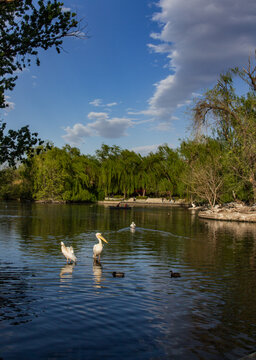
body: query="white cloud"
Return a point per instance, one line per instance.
(111, 104)
(101, 125)
(200, 39)
(163, 126)
(96, 102)
(111, 128)
(145, 150)
(97, 115)
(76, 134)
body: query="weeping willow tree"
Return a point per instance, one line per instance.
(232, 118)
(63, 175)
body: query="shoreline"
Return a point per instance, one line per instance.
(143, 203)
(230, 212)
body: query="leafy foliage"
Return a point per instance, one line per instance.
(25, 27)
(16, 145)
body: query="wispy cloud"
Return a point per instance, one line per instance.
(111, 104)
(96, 102)
(97, 115)
(145, 150)
(99, 102)
(200, 39)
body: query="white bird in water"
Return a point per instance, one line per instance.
(97, 249)
(133, 225)
(68, 252)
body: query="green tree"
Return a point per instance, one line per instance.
(63, 175)
(25, 27)
(150, 174)
(171, 167)
(16, 145)
(127, 169)
(108, 179)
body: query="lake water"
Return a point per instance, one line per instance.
(51, 310)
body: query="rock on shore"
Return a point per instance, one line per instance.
(230, 212)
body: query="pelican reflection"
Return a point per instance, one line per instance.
(97, 272)
(67, 270)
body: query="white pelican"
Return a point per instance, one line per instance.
(97, 249)
(68, 252)
(133, 225)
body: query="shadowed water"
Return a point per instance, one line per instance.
(61, 311)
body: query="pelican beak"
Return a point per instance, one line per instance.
(102, 238)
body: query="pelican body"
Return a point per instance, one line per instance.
(68, 252)
(97, 249)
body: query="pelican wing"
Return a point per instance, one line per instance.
(71, 253)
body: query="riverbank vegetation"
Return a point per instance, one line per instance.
(215, 165)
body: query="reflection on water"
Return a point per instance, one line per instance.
(73, 311)
(67, 270)
(97, 272)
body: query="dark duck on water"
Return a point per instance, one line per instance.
(174, 274)
(118, 274)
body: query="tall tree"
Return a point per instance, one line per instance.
(234, 119)
(204, 173)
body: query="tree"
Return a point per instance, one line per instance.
(233, 118)
(25, 27)
(171, 167)
(204, 174)
(16, 145)
(63, 175)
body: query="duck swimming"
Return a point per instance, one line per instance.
(118, 274)
(174, 274)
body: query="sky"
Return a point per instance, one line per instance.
(132, 81)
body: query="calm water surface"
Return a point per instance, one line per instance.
(61, 311)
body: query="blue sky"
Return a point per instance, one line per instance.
(132, 81)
